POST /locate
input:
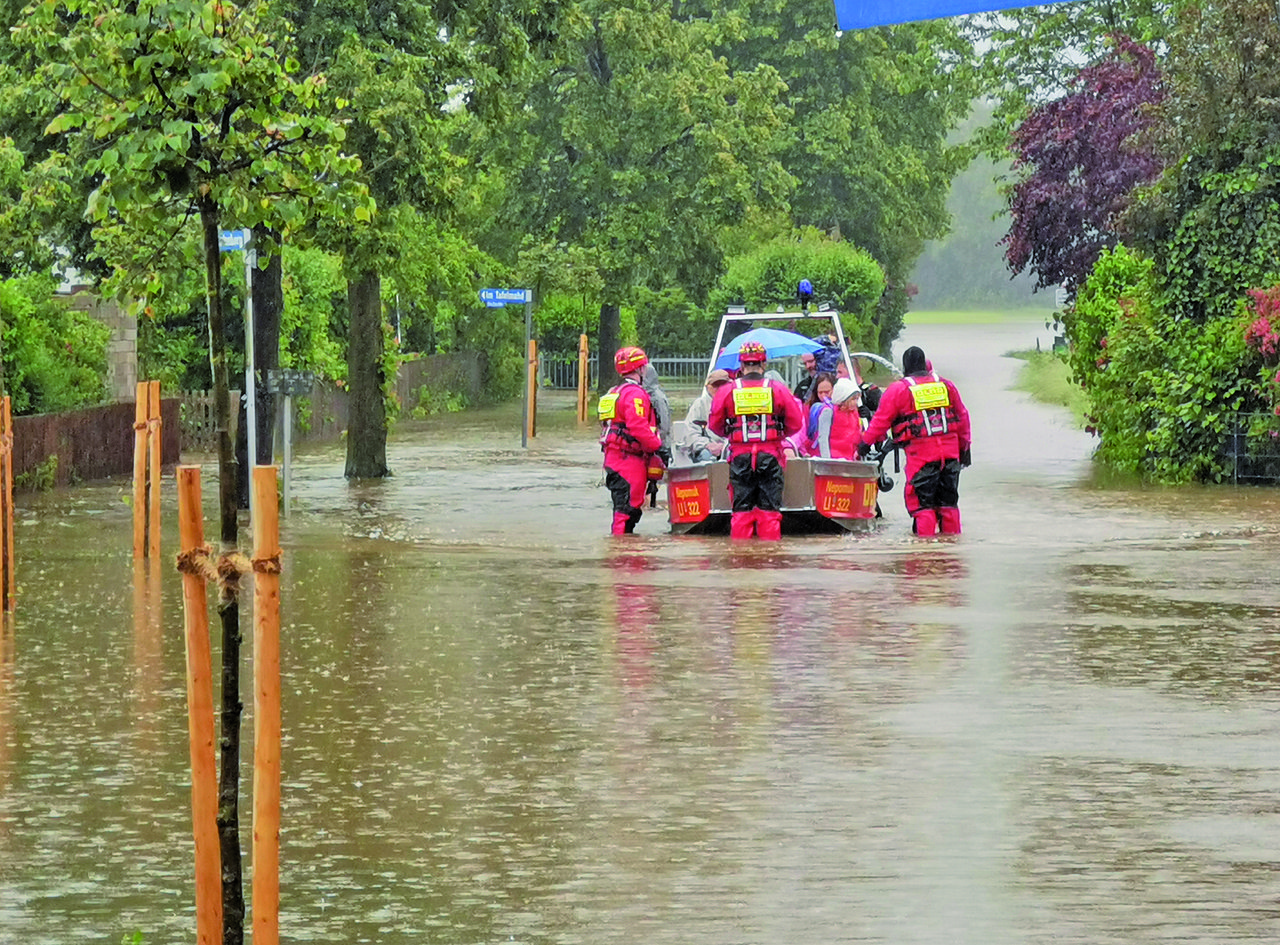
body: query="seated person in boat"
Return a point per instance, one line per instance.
(701, 444)
(840, 422)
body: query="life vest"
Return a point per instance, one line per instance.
(932, 412)
(613, 431)
(752, 417)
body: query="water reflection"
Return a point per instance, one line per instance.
(148, 651)
(8, 698)
(501, 727)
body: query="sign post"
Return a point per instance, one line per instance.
(234, 241)
(290, 384)
(497, 298)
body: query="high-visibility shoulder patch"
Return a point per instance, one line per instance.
(608, 406)
(639, 403)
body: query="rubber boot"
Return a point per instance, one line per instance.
(620, 522)
(633, 520)
(925, 523)
(768, 525)
(742, 524)
(949, 520)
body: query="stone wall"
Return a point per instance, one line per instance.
(122, 348)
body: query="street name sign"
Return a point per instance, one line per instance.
(497, 298)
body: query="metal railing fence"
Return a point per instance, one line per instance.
(1253, 448)
(558, 371)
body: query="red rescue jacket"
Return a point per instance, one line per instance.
(627, 420)
(753, 411)
(925, 413)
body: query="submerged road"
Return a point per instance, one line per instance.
(503, 726)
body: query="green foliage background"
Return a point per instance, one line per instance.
(843, 276)
(54, 356)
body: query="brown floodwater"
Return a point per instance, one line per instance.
(503, 726)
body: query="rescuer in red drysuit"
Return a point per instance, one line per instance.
(926, 416)
(629, 437)
(755, 415)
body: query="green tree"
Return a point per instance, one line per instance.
(872, 111)
(54, 357)
(416, 75)
(639, 146)
(194, 112)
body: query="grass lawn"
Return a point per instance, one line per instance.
(980, 316)
(1046, 377)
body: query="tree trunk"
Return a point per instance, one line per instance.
(366, 404)
(229, 608)
(607, 344)
(268, 304)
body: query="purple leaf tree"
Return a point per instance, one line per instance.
(1081, 157)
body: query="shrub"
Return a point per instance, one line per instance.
(55, 358)
(842, 275)
(1163, 390)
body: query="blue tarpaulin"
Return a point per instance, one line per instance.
(857, 14)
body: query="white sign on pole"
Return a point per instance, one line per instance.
(233, 241)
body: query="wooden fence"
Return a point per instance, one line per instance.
(94, 443)
(199, 423)
(322, 414)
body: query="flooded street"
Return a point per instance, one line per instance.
(503, 726)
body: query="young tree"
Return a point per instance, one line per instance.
(1081, 158)
(193, 112)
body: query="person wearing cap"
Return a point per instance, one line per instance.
(928, 419)
(840, 423)
(755, 415)
(629, 438)
(701, 444)
(808, 379)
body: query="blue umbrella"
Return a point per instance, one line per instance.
(778, 344)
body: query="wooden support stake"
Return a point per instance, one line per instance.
(8, 586)
(140, 471)
(153, 436)
(584, 353)
(266, 708)
(532, 373)
(204, 780)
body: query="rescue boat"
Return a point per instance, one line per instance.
(819, 496)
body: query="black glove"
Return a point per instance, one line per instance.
(964, 458)
(664, 454)
(863, 450)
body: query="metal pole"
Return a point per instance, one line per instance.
(288, 449)
(524, 414)
(251, 395)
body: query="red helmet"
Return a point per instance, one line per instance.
(752, 351)
(630, 359)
